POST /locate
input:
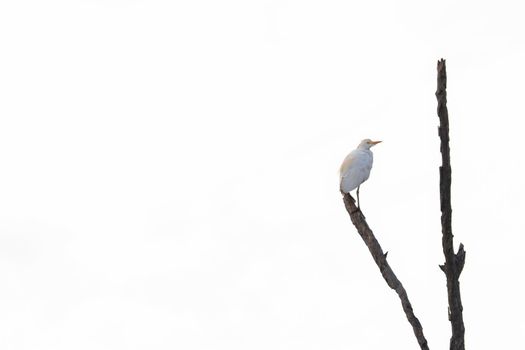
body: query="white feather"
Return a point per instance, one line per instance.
(356, 166)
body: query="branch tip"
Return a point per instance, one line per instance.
(460, 258)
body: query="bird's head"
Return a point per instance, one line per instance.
(367, 144)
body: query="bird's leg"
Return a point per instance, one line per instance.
(358, 207)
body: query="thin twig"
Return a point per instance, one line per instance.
(393, 282)
(453, 262)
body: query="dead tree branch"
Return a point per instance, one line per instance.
(453, 262)
(393, 282)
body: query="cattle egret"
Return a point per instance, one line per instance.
(356, 167)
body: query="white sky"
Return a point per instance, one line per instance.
(169, 179)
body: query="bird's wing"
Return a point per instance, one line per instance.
(354, 170)
(347, 181)
(347, 162)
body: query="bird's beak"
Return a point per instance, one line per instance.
(375, 142)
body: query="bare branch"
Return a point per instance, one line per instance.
(453, 262)
(371, 242)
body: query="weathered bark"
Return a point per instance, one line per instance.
(453, 262)
(393, 282)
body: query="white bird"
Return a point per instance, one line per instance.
(356, 167)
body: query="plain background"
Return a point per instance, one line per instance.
(168, 172)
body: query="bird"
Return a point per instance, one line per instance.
(356, 167)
